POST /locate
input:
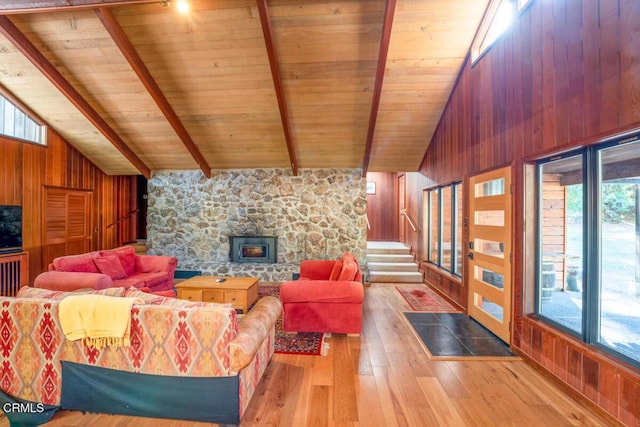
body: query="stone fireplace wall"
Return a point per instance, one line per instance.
(318, 214)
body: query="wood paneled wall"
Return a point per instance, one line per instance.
(27, 168)
(414, 184)
(566, 74)
(382, 207)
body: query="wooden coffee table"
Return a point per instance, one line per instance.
(240, 292)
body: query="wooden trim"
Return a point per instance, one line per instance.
(570, 146)
(129, 52)
(582, 347)
(441, 271)
(377, 89)
(30, 52)
(564, 387)
(39, 6)
(263, 10)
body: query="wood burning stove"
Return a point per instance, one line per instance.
(254, 249)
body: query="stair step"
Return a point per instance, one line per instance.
(139, 248)
(395, 277)
(387, 248)
(392, 266)
(393, 258)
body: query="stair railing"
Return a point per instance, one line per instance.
(409, 220)
(123, 218)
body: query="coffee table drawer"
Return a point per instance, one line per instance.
(236, 298)
(190, 294)
(213, 296)
(240, 292)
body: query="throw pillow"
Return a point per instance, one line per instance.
(349, 270)
(335, 271)
(111, 266)
(126, 255)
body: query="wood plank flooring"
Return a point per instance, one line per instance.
(384, 378)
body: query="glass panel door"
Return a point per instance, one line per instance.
(490, 251)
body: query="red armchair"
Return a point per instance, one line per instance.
(327, 298)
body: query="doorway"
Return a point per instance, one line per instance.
(489, 256)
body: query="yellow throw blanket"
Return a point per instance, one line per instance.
(97, 319)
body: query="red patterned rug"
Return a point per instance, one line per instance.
(308, 343)
(424, 299)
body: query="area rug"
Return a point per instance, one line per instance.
(424, 299)
(302, 343)
(455, 336)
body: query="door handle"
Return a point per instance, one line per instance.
(470, 255)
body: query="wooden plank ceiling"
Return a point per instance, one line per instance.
(239, 83)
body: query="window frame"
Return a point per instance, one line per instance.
(592, 231)
(12, 105)
(479, 47)
(455, 204)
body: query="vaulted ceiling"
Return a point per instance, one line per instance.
(136, 86)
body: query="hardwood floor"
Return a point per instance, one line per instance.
(384, 378)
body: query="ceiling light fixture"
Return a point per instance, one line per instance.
(182, 6)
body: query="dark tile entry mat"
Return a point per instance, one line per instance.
(455, 335)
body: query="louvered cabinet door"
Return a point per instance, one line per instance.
(67, 222)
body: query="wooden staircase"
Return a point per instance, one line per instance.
(391, 262)
(140, 247)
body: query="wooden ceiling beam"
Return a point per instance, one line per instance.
(37, 6)
(377, 89)
(277, 81)
(22, 43)
(124, 44)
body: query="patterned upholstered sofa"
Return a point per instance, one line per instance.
(194, 361)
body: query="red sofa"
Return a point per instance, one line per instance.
(119, 267)
(327, 298)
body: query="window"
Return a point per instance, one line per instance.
(17, 124)
(457, 267)
(434, 226)
(443, 218)
(500, 14)
(588, 258)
